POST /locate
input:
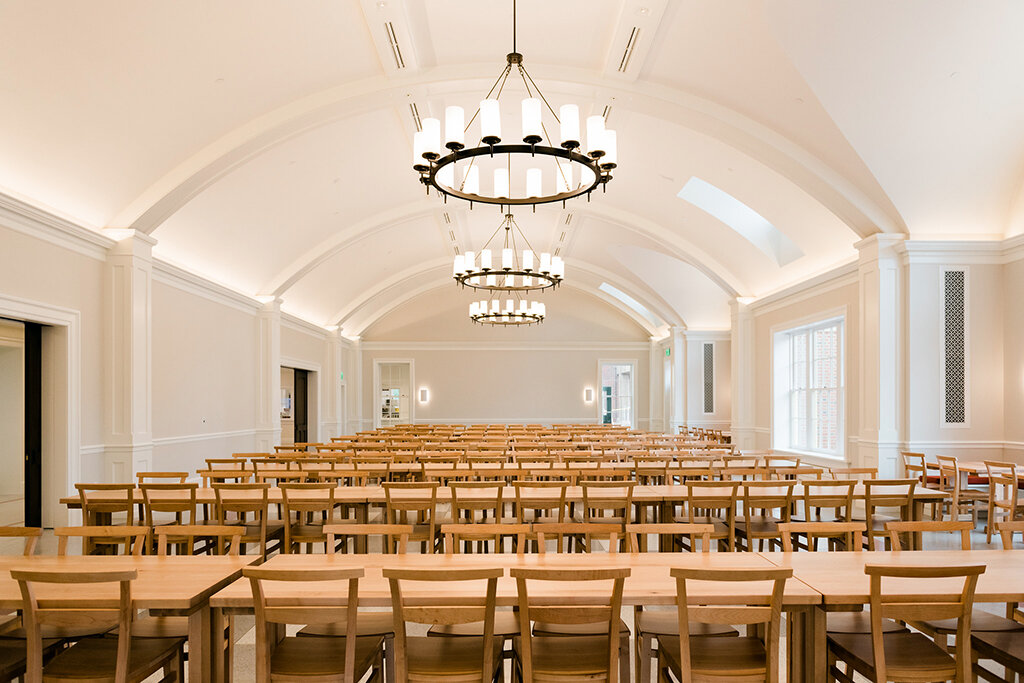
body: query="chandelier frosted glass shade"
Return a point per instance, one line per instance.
(512, 312)
(508, 269)
(545, 160)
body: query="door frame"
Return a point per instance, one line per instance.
(377, 362)
(314, 396)
(632, 362)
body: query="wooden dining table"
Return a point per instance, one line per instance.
(168, 586)
(649, 583)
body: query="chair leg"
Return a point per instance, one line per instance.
(644, 654)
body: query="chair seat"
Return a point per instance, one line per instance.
(322, 656)
(13, 656)
(506, 624)
(904, 652)
(980, 621)
(724, 657)
(367, 624)
(569, 656)
(1006, 647)
(448, 657)
(95, 659)
(857, 622)
(62, 632)
(666, 623)
(757, 525)
(543, 628)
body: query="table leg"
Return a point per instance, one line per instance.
(200, 641)
(916, 514)
(362, 515)
(806, 644)
(219, 653)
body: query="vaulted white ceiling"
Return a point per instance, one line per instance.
(266, 144)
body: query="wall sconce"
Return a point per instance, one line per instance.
(588, 395)
(424, 395)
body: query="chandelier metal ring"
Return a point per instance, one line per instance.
(489, 317)
(512, 270)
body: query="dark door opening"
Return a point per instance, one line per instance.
(33, 424)
(301, 406)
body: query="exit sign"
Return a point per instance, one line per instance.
(668, 352)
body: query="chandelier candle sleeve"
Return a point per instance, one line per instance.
(460, 265)
(506, 259)
(595, 136)
(485, 259)
(611, 158)
(527, 260)
(532, 131)
(569, 117)
(454, 127)
(432, 129)
(490, 122)
(545, 262)
(419, 146)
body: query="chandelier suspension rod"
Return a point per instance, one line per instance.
(514, 26)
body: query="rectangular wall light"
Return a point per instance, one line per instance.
(588, 395)
(424, 395)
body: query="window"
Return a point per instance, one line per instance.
(808, 388)
(617, 393)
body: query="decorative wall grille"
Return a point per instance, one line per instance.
(709, 377)
(954, 347)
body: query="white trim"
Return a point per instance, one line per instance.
(953, 253)
(1013, 249)
(187, 281)
(942, 347)
(634, 399)
(193, 438)
(297, 324)
(94, 449)
(40, 224)
(506, 346)
(939, 445)
(843, 276)
(707, 335)
(377, 362)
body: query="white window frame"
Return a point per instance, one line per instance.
(600, 388)
(781, 336)
(377, 362)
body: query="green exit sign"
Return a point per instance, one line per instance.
(668, 352)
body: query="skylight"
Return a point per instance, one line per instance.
(751, 225)
(631, 302)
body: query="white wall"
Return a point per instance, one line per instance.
(695, 415)
(1013, 360)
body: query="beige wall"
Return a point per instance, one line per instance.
(205, 357)
(12, 420)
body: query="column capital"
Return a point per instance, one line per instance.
(131, 243)
(878, 246)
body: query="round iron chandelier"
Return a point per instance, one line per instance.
(515, 312)
(539, 169)
(515, 272)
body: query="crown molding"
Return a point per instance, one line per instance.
(29, 220)
(645, 347)
(1013, 249)
(707, 335)
(843, 276)
(959, 252)
(297, 324)
(187, 281)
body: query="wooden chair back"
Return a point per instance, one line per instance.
(578, 535)
(765, 611)
(394, 537)
(170, 477)
(307, 610)
(828, 494)
(107, 499)
(914, 466)
(855, 473)
(246, 504)
(546, 499)
(554, 606)
(461, 537)
(674, 531)
(851, 534)
(477, 501)
(413, 502)
(709, 501)
(31, 535)
(433, 608)
(68, 613)
(133, 538)
(177, 498)
(607, 502)
(228, 538)
(1003, 494)
(898, 530)
(888, 493)
(651, 469)
(947, 605)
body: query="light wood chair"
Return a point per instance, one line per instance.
(133, 538)
(475, 502)
(31, 535)
(1003, 494)
(541, 501)
(608, 502)
(670, 536)
(166, 477)
(848, 535)
(883, 494)
(319, 658)
(466, 659)
(415, 503)
(488, 537)
(714, 503)
(748, 658)
(303, 503)
(350, 537)
(908, 656)
(827, 500)
(169, 503)
(100, 503)
(576, 535)
(954, 482)
(855, 473)
(766, 504)
(247, 505)
(122, 659)
(593, 657)
(226, 540)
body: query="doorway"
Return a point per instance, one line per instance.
(21, 423)
(618, 388)
(301, 413)
(393, 391)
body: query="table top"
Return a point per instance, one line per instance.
(840, 577)
(648, 584)
(174, 583)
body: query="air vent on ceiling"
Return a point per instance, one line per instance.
(709, 377)
(627, 54)
(558, 252)
(607, 112)
(447, 219)
(568, 218)
(561, 238)
(396, 51)
(954, 350)
(415, 111)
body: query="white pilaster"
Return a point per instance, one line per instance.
(355, 388)
(333, 418)
(678, 394)
(655, 391)
(880, 340)
(742, 378)
(128, 389)
(268, 418)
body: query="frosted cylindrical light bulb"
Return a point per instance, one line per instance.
(569, 116)
(545, 262)
(557, 267)
(509, 305)
(611, 154)
(490, 121)
(432, 128)
(492, 281)
(471, 185)
(510, 280)
(470, 261)
(595, 135)
(454, 127)
(527, 260)
(495, 306)
(527, 281)
(506, 259)
(542, 309)
(473, 308)
(460, 264)
(501, 188)
(419, 146)
(534, 178)
(485, 259)
(532, 133)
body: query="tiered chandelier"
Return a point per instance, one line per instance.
(539, 170)
(515, 312)
(516, 272)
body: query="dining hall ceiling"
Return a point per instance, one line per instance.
(266, 144)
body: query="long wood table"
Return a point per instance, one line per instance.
(174, 585)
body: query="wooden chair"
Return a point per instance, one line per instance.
(827, 500)
(466, 659)
(670, 536)
(101, 502)
(157, 477)
(415, 503)
(954, 482)
(905, 655)
(766, 504)
(133, 538)
(691, 657)
(899, 530)
(576, 535)
(564, 657)
(162, 499)
(652, 470)
(714, 503)
(608, 502)
(31, 535)
(347, 535)
(475, 502)
(855, 473)
(320, 658)
(247, 505)
(122, 659)
(227, 539)
(540, 501)
(1003, 487)
(303, 503)
(881, 494)
(848, 535)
